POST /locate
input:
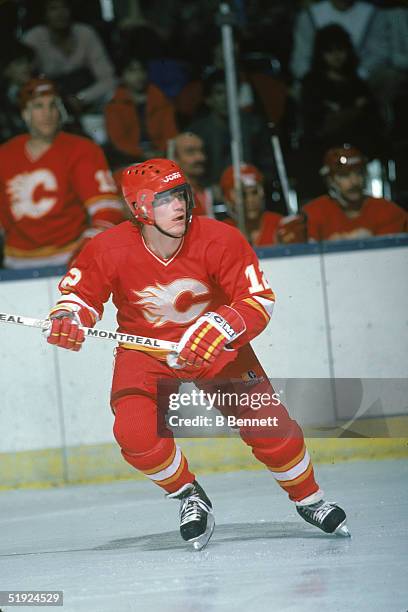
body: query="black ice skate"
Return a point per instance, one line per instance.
(196, 515)
(328, 516)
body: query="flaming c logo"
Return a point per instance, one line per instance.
(181, 301)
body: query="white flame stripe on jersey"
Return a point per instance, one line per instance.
(266, 303)
(294, 472)
(72, 297)
(169, 470)
(103, 204)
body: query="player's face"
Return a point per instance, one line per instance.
(43, 117)
(170, 212)
(253, 200)
(191, 155)
(350, 184)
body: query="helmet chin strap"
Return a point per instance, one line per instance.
(335, 193)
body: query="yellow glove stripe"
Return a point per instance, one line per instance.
(200, 336)
(63, 334)
(213, 346)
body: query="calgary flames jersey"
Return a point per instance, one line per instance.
(326, 219)
(47, 203)
(214, 265)
(267, 229)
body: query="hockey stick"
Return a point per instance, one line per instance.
(44, 324)
(288, 193)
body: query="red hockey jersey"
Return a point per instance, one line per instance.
(326, 220)
(214, 265)
(267, 229)
(47, 203)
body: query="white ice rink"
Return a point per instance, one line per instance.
(116, 547)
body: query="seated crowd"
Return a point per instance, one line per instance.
(60, 180)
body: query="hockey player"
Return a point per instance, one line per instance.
(263, 227)
(195, 281)
(56, 190)
(188, 151)
(346, 212)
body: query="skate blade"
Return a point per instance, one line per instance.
(201, 542)
(342, 530)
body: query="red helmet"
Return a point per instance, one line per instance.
(250, 176)
(146, 182)
(342, 158)
(35, 88)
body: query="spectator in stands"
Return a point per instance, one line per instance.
(356, 17)
(213, 128)
(72, 54)
(56, 190)
(139, 118)
(337, 104)
(187, 150)
(389, 83)
(346, 212)
(258, 90)
(16, 70)
(263, 227)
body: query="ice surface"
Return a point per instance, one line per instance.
(116, 547)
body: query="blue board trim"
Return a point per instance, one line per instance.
(293, 250)
(32, 273)
(338, 246)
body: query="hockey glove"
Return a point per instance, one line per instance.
(292, 229)
(65, 330)
(203, 341)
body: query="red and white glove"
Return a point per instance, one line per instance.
(66, 326)
(203, 341)
(292, 229)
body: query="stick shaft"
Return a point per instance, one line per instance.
(94, 333)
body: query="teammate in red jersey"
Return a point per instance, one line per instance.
(197, 282)
(263, 227)
(188, 151)
(346, 213)
(55, 188)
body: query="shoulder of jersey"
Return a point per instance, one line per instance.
(120, 235)
(323, 200)
(387, 208)
(272, 216)
(74, 141)
(14, 143)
